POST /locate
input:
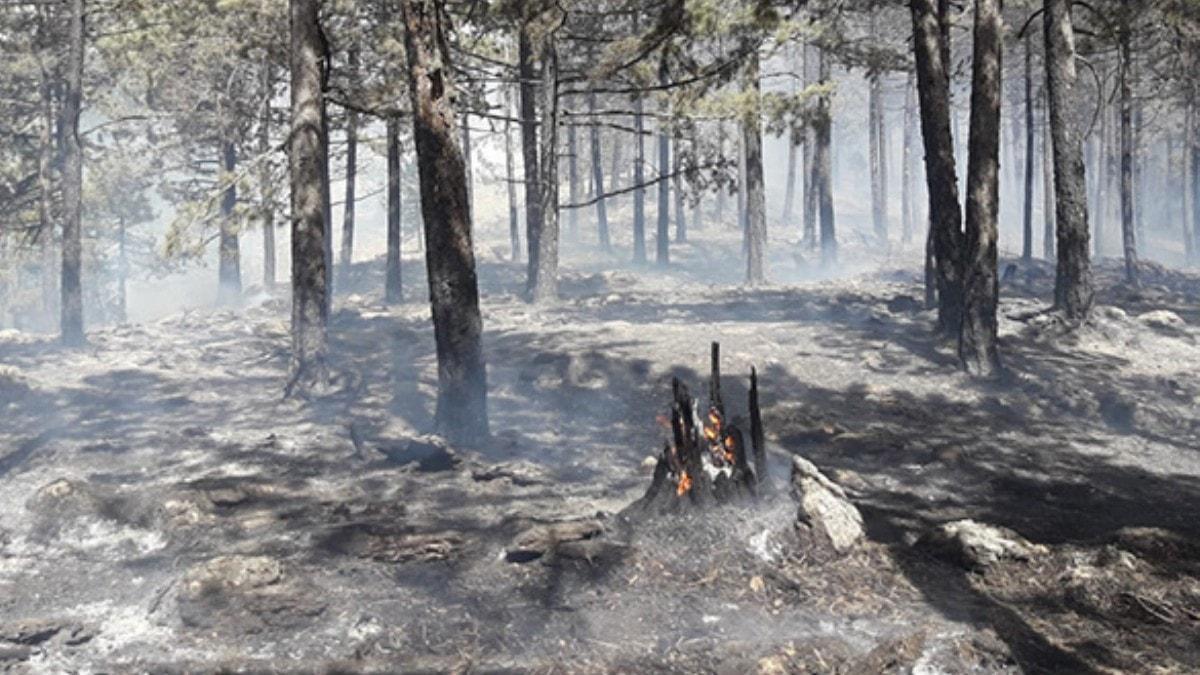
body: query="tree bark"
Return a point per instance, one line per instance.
(1027, 213)
(907, 203)
(756, 200)
(789, 187)
(978, 347)
(510, 178)
(544, 284)
(529, 148)
(461, 413)
(1073, 289)
(71, 303)
(945, 216)
(393, 283)
(822, 169)
(663, 232)
(639, 176)
(1047, 189)
(722, 191)
(811, 59)
(468, 162)
(572, 180)
(310, 229)
(1128, 237)
(46, 155)
(875, 125)
(1192, 156)
(347, 251)
(677, 190)
(266, 182)
(229, 273)
(598, 178)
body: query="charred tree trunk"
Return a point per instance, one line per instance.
(468, 162)
(310, 229)
(598, 179)
(393, 284)
(229, 274)
(346, 255)
(544, 282)
(822, 169)
(809, 169)
(663, 232)
(756, 199)
(1128, 238)
(1047, 190)
(529, 149)
(510, 179)
(677, 190)
(639, 177)
(572, 180)
(47, 151)
(875, 126)
(266, 187)
(945, 217)
(347, 250)
(789, 187)
(71, 288)
(1027, 213)
(1073, 290)
(697, 198)
(907, 203)
(722, 191)
(741, 186)
(978, 347)
(453, 291)
(1192, 156)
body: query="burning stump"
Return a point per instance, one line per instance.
(708, 458)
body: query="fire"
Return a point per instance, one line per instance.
(729, 446)
(685, 484)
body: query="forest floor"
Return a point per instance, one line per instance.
(164, 509)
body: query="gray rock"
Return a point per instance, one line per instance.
(824, 507)
(976, 545)
(1163, 320)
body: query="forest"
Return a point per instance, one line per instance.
(754, 336)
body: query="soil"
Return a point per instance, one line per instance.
(164, 509)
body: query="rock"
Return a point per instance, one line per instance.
(383, 544)
(904, 304)
(232, 573)
(540, 540)
(1112, 313)
(824, 506)
(977, 546)
(1163, 320)
(429, 453)
(649, 463)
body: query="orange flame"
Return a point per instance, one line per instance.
(685, 484)
(729, 445)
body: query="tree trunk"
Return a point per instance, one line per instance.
(453, 290)
(510, 178)
(347, 251)
(310, 229)
(1139, 172)
(663, 232)
(266, 182)
(544, 284)
(71, 303)
(822, 179)
(229, 273)
(598, 178)
(742, 221)
(1027, 213)
(529, 149)
(677, 190)
(122, 272)
(978, 347)
(1192, 156)
(811, 59)
(1047, 190)
(1185, 181)
(468, 163)
(698, 195)
(393, 284)
(722, 191)
(907, 203)
(789, 187)
(1073, 289)
(572, 180)
(874, 126)
(639, 176)
(47, 151)
(945, 216)
(756, 199)
(1129, 242)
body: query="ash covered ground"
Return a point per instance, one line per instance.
(163, 508)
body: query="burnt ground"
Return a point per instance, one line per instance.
(163, 509)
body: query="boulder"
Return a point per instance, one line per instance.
(824, 507)
(977, 546)
(1162, 320)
